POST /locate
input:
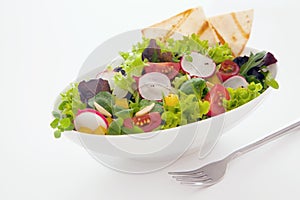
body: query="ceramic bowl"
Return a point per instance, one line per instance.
(161, 145)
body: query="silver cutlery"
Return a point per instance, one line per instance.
(212, 173)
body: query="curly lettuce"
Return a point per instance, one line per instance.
(240, 96)
(133, 65)
(220, 53)
(192, 43)
(184, 46)
(189, 109)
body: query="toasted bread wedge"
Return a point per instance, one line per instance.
(185, 23)
(233, 28)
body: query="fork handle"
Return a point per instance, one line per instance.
(264, 140)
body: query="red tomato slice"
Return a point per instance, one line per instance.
(228, 69)
(170, 69)
(147, 122)
(215, 96)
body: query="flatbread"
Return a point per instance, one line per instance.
(233, 28)
(185, 23)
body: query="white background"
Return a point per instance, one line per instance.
(42, 47)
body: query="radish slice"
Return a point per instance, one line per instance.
(236, 82)
(119, 92)
(154, 85)
(89, 118)
(201, 66)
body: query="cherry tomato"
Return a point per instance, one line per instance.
(170, 69)
(228, 69)
(215, 96)
(147, 122)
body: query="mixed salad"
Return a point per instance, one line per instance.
(160, 85)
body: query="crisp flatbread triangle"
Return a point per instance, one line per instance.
(233, 28)
(186, 23)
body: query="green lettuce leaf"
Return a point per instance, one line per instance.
(254, 61)
(67, 110)
(192, 108)
(133, 65)
(195, 86)
(104, 99)
(178, 81)
(171, 119)
(184, 46)
(115, 128)
(220, 53)
(240, 96)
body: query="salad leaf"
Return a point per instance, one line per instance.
(157, 107)
(178, 81)
(184, 46)
(140, 46)
(190, 110)
(104, 99)
(57, 133)
(138, 104)
(253, 61)
(115, 128)
(124, 113)
(270, 81)
(171, 115)
(219, 53)
(124, 82)
(203, 107)
(67, 110)
(88, 89)
(269, 59)
(153, 53)
(171, 119)
(54, 123)
(55, 114)
(240, 96)
(134, 129)
(255, 69)
(195, 86)
(65, 123)
(190, 107)
(133, 66)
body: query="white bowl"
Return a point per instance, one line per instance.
(164, 145)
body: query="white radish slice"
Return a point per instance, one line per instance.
(154, 85)
(119, 92)
(201, 66)
(235, 82)
(89, 118)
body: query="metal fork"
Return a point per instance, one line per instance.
(212, 173)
